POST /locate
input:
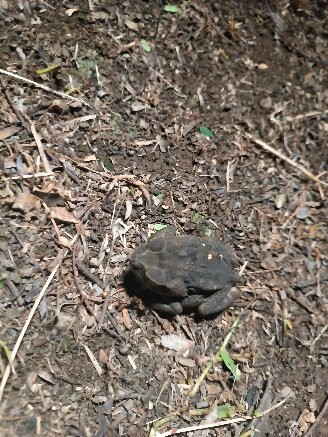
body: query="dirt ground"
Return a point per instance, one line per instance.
(212, 117)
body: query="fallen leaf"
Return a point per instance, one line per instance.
(62, 214)
(137, 106)
(262, 67)
(171, 8)
(132, 25)
(65, 242)
(8, 132)
(206, 132)
(6, 192)
(90, 158)
(27, 202)
(176, 342)
(128, 207)
(103, 356)
(46, 376)
(280, 200)
(71, 11)
(50, 199)
(126, 319)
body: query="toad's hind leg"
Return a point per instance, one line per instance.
(218, 302)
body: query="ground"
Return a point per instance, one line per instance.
(213, 118)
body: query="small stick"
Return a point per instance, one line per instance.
(93, 359)
(39, 144)
(18, 113)
(35, 175)
(306, 115)
(83, 269)
(280, 155)
(43, 87)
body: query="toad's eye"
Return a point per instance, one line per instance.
(156, 245)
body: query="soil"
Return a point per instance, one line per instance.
(212, 118)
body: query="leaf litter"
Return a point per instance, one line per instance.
(72, 178)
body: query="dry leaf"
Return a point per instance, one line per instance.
(63, 241)
(89, 158)
(175, 342)
(126, 319)
(128, 206)
(103, 356)
(280, 200)
(8, 132)
(62, 213)
(262, 67)
(71, 11)
(132, 25)
(27, 202)
(6, 192)
(46, 376)
(137, 106)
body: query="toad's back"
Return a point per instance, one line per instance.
(201, 264)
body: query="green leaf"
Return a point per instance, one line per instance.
(225, 411)
(6, 350)
(158, 226)
(197, 218)
(250, 433)
(65, 344)
(2, 281)
(229, 362)
(206, 132)
(145, 45)
(47, 69)
(172, 8)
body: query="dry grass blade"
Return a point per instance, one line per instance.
(280, 155)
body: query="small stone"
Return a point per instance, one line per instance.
(303, 212)
(124, 349)
(266, 103)
(313, 404)
(311, 388)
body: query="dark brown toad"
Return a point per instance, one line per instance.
(186, 272)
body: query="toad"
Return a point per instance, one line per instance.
(184, 273)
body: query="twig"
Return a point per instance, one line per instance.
(83, 269)
(43, 87)
(280, 155)
(18, 113)
(27, 323)
(35, 175)
(221, 423)
(306, 115)
(177, 91)
(313, 342)
(204, 426)
(40, 148)
(304, 284)
(93, 360)
(301, 300)
(84, 298)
